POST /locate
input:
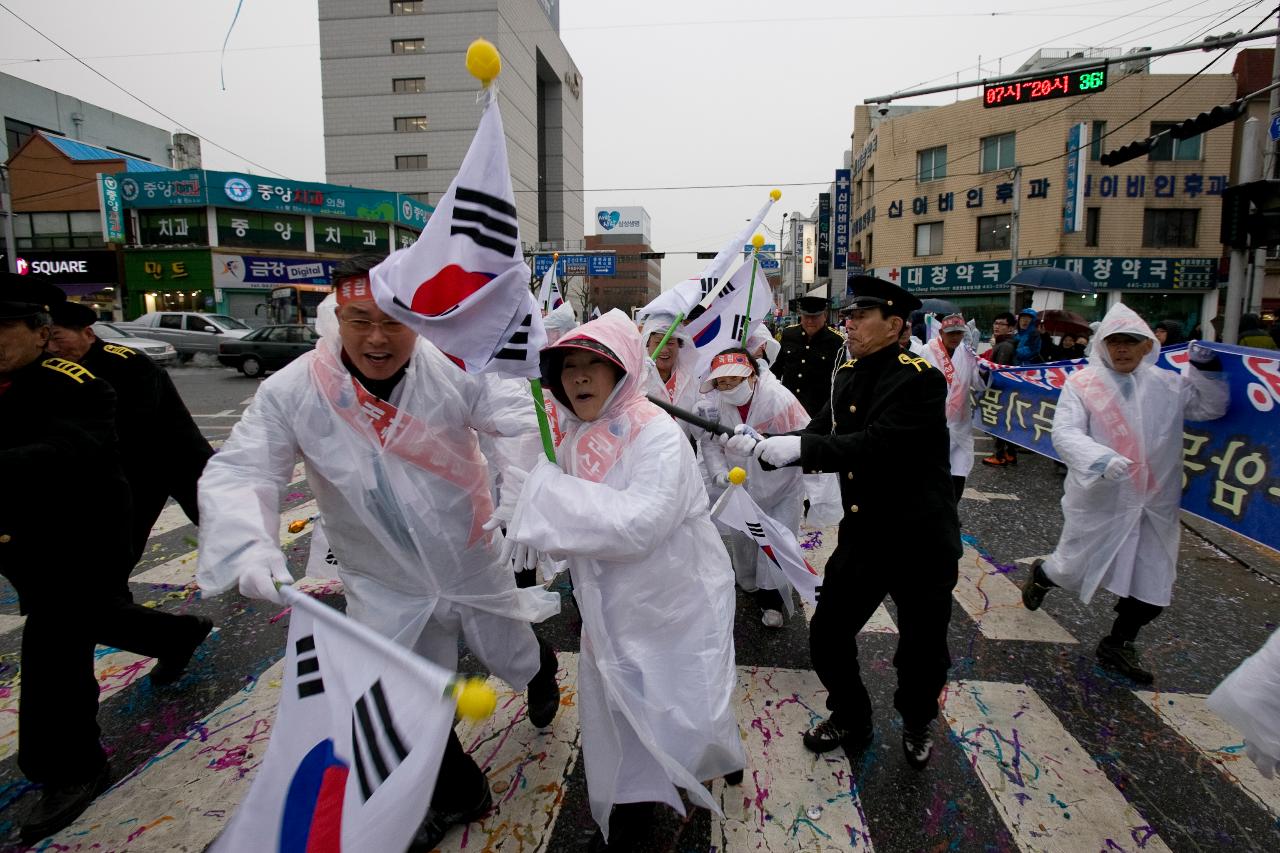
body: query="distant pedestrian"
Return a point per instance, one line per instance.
(1004, 346)
(1118, 426)
(1169, 333)
(959, 366)
(1028, 338)
(1253, 335)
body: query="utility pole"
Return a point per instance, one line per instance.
(1250, 170)
(1013, 236)
(1269, 165)
(6, 210)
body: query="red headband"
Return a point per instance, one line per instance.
(354, 290)
(726, 358)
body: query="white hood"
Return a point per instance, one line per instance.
(1122, 319)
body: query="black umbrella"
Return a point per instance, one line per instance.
(938, 306)
(1052, 278)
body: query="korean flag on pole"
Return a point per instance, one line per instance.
(549, 297)
(464, 285)
(720, 326)
(736, 510)
(356, 745)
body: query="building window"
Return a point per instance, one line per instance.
(17, 132)
(929, 239)
(408, 46)
(1091, 217)
(406, 7)
(1168, 148)
(411, 162)
(997, 152)
(409, 85)
(993, 233)
(1169, 228)
(866, 260)
(410, 124)
(857, 195)
(1095, 140)
(931, 164)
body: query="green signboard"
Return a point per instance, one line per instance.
(261, 230)
(337, 235)
(173, 228)
(112, 207)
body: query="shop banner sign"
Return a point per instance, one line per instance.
(1230, 467)
(112, 207)
(1077, 162)
(824, 234)
(568, 265)
(163, 189)
(267, 230)
(337, 235)
(1114, 273)
(252, 271)
(841, 236)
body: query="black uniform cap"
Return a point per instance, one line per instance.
(73, 315)
(871, 292)
(22, 297)
(811, 305)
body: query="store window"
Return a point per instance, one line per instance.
(993, 232)
(931, 164)
(1169, 228)
(1168, 148)
(997, 152)
(928, 239)
(408, 85)
(399, 46)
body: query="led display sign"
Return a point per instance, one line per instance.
(1044, 88)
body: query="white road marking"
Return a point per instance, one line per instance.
(770, 810)
(225, 413)
(1027, 561)
(11, 622)
(818, 544)
(246, 401)
(1045, 787)
(972, 494)
(995, 603)
(1216, 740)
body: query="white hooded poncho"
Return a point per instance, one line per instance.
(403, 499)
(627, 510)
(682, 388)
(1123, 535)
(961, 372)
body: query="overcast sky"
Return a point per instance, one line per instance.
(676, 93)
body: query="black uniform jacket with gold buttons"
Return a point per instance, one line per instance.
(64, 503)
(885, 434)
(804, 364)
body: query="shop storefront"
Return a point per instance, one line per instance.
(89, 276)
(243, 283)
(168, 280)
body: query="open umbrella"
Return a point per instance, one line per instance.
(938, 306)
(1052, 278)
(1058, 322)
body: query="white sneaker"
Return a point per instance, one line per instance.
(772, 619)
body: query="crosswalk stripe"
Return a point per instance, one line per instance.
(1216, 740)
(172, 517)
(972, 494)
(995, 603)
(1047, 790)
(819, 544)
(790, 799)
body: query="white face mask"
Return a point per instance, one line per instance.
(739, 394)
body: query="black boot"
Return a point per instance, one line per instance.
(169, 669)
(438, 822)
(1036, 587)
(917, 745)
(1122, 657)
(543, 693)
(829, 734)
(60, 805)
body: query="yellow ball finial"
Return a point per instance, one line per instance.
(775, 195)
(476, 699)
(757, 241)
(737, 476)
(555, 256)
(483, 61)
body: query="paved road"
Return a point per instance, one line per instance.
(1041, 749)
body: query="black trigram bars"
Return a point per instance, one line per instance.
(309, 681)
(491, 223)
(516, 348)
(382, 750)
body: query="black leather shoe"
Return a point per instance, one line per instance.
(917, 745)
(1122, 657)
(168, 670)
(437, 823)
(734, 778)
(827, 735)
(1037, 586)
(60, 805)
(543, 693)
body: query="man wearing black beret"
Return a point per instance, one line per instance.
(885, 424)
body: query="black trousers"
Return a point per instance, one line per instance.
(149, 499)
(1132, 616)
(1003, 447)
(58, 707)
(957, 484)
(847, 600)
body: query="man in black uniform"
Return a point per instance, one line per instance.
(161, 447)
(809, 353)
(886, 424)
(69, 565)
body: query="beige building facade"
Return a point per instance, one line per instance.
(935, 193)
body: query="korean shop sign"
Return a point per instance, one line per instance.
(262, 230)
(337, 235)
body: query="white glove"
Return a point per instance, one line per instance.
(522, 557)
(722, 479)
(512, 485)
(1117, 468)
(264, 581)
(1267, 764)
(779, 450)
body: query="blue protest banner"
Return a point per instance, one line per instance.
(1230, 467)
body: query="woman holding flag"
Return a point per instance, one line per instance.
(628, 511)
(742, 394)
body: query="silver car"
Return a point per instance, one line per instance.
(160, 352)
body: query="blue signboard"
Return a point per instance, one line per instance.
(1104, 273)
(605, 264)
(1073, 196)
(840, 249)
(768, 255)
(258, 271)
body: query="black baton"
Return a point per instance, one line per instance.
(713, 427)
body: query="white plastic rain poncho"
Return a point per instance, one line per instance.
(1123, 534)
(1249, 699)
(961, 372)
(682, 388)
(403, 490)
(628, 511)
(779, 493)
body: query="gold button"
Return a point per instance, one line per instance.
(799, 376)
(5, 538)
(853, 507)
(849, 476)
(853, 409)
(802, 361)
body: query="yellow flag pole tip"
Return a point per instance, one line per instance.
(775, 195)
(476, 699)
(757, 241)
(737, 476)
(483, 61)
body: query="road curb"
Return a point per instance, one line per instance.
(1250, 554)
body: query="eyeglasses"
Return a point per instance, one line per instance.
(361, 326)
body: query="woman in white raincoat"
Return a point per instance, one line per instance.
(628, 511)
(1249, 699)
(1118, 427)
(950, 353)
(742, 395)
(672, 377)
(386, 425)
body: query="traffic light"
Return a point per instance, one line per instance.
(1216, 117)
(656, 256)
(1251, 215)
(1125, 153)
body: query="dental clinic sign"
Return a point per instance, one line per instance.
(623, 220)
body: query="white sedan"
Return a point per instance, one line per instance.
(160, 352)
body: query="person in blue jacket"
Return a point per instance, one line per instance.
(1027, 337)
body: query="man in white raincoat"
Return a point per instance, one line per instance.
(741, 395)
(387, 428)
(1249, 699)
(950, 354)
(628, 511)
(1118, 427)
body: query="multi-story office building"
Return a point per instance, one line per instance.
(400, 108)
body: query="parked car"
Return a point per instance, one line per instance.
(158, 351)
(190, 332)
(268, 348)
